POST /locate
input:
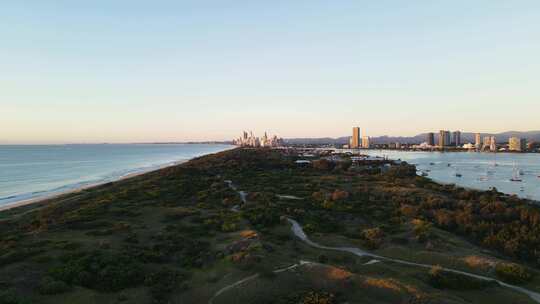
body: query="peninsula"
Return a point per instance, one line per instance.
(266, 225)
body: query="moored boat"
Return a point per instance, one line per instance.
(515, 175)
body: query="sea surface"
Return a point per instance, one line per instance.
(478, 170)
(28, 172)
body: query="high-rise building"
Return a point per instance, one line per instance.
(444, 138)
(365, 142)
(490, 143)
(430, 140)
(355, 140)
(249, 140)
(517, 144)
(457, 138)
(493, 146)
(532, 146)
(477, 141)
(487, 143)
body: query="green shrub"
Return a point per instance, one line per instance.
(422, 230)
(513, 273)
(163, 282)
(262, 217)
(228, 227)
(9, 296)
(100, 271)
(309, 297)
(50, 286)
(373, 237)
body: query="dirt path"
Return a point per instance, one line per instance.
(253, 277)
(299, 232)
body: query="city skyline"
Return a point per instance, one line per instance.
(425, 137)
(165, 71)
(450, 140)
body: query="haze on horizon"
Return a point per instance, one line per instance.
(140, 71)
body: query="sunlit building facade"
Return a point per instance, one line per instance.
(517, 144)
(250, 140)
(355, 139)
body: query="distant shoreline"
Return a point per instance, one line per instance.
(134, 143)
(35, 200)
(26, 199)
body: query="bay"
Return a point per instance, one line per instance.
(481, 171)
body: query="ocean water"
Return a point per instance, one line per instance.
(28, 172)
(478, 170)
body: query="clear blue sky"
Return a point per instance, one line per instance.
(123, 71)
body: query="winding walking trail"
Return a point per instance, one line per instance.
(252, 277)
(299, 233)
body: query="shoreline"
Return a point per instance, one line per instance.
(40, 199)
(74, 188)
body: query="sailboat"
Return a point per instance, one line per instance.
(515, 175)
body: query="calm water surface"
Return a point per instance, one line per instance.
(33, 171)
(479, 170)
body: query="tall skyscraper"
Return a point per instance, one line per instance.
(477, 141)
(365, 142)
(493, 145)
(517, 144)
(490, 143)
(355, 140)
(249, 140)
(430, 140)
(444, 138)
(457, 138)
(487, 143)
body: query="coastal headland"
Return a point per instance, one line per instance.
(225, 228)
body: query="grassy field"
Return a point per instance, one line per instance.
(173, 236)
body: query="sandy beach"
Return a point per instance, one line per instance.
(81, 188)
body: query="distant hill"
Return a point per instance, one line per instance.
(465, 137)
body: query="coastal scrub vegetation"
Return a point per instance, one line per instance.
(183, 232)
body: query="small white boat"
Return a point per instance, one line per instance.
(515, 175)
